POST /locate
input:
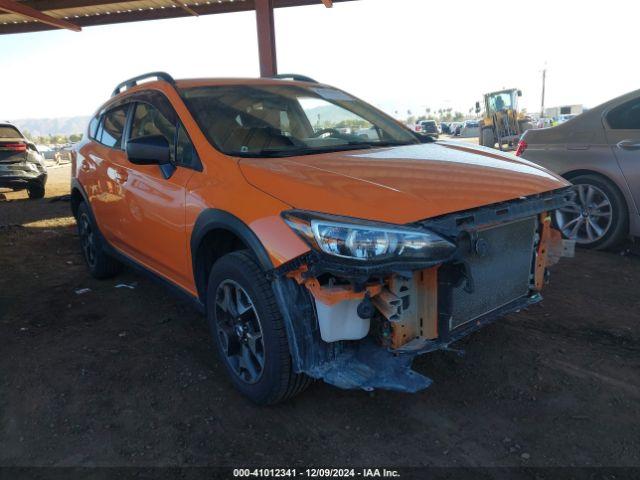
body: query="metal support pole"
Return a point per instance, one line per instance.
(266, 38)
(544, 82)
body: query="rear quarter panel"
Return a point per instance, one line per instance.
(573, 148)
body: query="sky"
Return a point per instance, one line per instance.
(397, 54)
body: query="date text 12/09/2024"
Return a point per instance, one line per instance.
(315, 473)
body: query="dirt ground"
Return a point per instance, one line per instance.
(128, 377)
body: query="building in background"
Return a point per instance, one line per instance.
(555, 112)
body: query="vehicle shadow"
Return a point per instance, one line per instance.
(26, 212)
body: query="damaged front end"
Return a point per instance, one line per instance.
(369, 297)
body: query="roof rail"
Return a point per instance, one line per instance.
(296, 77)
(132, 82)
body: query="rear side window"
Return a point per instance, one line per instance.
(7, 131)
(112, 127)
(625, 116)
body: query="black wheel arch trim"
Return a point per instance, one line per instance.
(77, 186)
(215, 219)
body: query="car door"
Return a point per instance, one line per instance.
(622, 127)
(154, 218)
(101, 171)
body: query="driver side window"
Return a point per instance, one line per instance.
(147, 120)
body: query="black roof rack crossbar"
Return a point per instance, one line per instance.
(132, 82)
(296, 77)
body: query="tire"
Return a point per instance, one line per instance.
(35, 191)
(101, 265)
(618, 227)
(487, 138)
(271, 380)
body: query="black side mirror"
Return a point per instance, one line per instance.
(519, 93)
(151, 150)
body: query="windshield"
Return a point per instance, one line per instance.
(500, 101)
(281, 120)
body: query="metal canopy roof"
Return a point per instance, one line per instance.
(20, 16)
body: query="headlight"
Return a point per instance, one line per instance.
(360, 240)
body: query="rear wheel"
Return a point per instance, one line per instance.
(599, 217)
(249, 331)
(35, 191)
(100, 264)
(487, 138)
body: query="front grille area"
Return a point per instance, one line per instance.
(496, 271)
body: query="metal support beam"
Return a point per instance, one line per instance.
(26, 11)
(266, 38)
(185, 7)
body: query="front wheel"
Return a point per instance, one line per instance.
(249, 331)
(599, 217)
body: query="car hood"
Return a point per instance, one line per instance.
(399, 184)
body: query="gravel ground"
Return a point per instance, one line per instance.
(128, 377)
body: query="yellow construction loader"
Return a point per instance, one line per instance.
(502, 122)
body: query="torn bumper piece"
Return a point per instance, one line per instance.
(362, 328)
(366, 366)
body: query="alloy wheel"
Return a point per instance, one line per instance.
(240, 332)
(589, 218)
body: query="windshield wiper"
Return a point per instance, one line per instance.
(280, 152)
(382, 144)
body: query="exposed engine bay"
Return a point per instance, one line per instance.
(360, 326)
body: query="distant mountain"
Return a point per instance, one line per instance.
(39, 127)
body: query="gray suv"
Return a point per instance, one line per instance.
(21, 165)
(599, 152)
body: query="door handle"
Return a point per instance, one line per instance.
(120, 176)
(629, 145)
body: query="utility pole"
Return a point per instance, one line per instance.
(544, 81)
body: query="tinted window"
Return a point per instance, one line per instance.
(112, 127)
(148, 120)
(7, 131)
(625, 116)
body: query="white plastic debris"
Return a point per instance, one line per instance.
(82, 291)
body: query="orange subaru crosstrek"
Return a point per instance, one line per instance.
(322, 238)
